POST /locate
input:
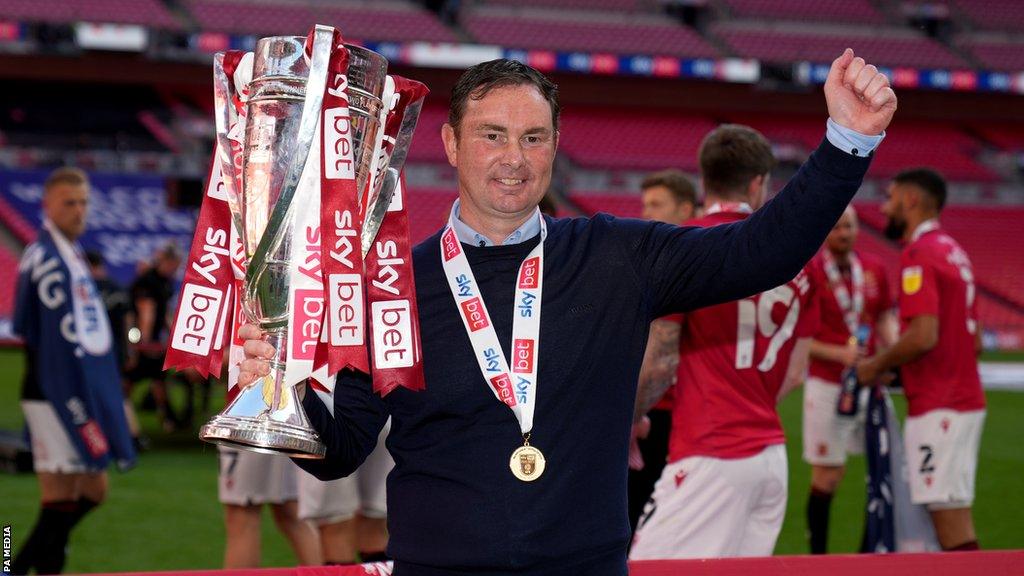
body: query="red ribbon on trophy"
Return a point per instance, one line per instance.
(360, 306)
(207, 297)
(344, 343)
(391, 291)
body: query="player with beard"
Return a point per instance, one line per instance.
(853, 303)
(937, 356)
(723, 492)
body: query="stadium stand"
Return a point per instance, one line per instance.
(428, 211)
(991, 238)
(359, 21)
(426, 141)
(569, 31)
(995, 53)
(151, 13)
(782, 43)
(622, 205)
(913, 143)
(607, 138)
(860, 11)
(609, 5)
(8, 261)
(993, 14)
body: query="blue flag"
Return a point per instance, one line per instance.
(893, 522)
(61, 319)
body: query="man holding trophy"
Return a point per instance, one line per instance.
(513, 458)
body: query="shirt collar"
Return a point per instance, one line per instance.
(467, 235)
(733, 207)
(924, 228)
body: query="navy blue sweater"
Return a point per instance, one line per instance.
(453, 504)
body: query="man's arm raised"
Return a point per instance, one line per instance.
(687, 268)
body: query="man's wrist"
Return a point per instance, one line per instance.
(851, 141)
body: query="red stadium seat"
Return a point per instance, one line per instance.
(404, 22)
(580, 31)
(152, 13)
(607, 138)
(994, 14)
(886, 47)
(800, 10)
(995, 54)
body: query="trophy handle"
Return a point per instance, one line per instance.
(389, 178)
(223, 116)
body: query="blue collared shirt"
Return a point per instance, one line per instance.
(851, 141)
(467, 235)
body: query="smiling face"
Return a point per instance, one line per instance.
(504, 151)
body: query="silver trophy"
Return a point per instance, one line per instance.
(285, 97)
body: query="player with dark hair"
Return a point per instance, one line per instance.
(575, 297)
(936, 353)
(723, 492)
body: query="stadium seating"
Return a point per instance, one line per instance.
(610, 5)
(944, 146)
(426, 141)
(150, 13)
(624, 205)
(823, 10)
(886, 47)
(572, 31)
(428, 211)
(994, 14)
(379, 21)
(8, 261)
(994, 54)
(1003, 135)
(990, 236)
(608, 138)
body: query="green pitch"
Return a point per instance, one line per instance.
(164, 514)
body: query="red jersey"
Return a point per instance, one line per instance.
(733, 358)
(937, 279)
(832, 326)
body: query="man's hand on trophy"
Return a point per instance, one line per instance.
(257, 355)
(858, 95)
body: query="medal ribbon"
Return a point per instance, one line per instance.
(516, 386)
(851, 307)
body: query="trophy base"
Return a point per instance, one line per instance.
(268, 419)
(264, 436)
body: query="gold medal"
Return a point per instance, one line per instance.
(527, 463)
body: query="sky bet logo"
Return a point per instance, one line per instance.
(451, 245)
(465, 285)
(473, 311)
(503, 386)
(528, 280)
(522, 355)
(528, 274)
